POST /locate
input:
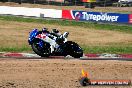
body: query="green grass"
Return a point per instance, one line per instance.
(123, 28)
(87, 49)
(108, 49)
(16, 49)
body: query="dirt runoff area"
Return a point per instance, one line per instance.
(59, 73)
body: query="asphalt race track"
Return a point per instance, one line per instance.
(42, 58)
(85, 56)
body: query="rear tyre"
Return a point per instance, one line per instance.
(43, 52)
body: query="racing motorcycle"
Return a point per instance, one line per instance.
(48, 44)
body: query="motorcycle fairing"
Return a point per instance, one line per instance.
(32, 35)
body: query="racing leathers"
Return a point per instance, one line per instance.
(53, 38)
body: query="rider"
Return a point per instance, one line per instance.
(56, 32)
(45, 30)
(50, 38)
(58, 38)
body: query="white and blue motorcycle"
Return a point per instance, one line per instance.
(47, 44)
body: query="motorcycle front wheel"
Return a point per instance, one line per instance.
(73, 49)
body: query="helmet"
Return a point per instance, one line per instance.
(55, 31)
(44, 29)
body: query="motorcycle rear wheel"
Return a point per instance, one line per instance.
(43, 52)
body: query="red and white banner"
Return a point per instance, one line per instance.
(67, 14)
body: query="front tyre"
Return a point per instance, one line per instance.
(73, 49)
(41, 51)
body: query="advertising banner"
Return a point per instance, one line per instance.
(130, 18)
(51, 13)
(31, 12)
(89, 0)
(95, 16)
